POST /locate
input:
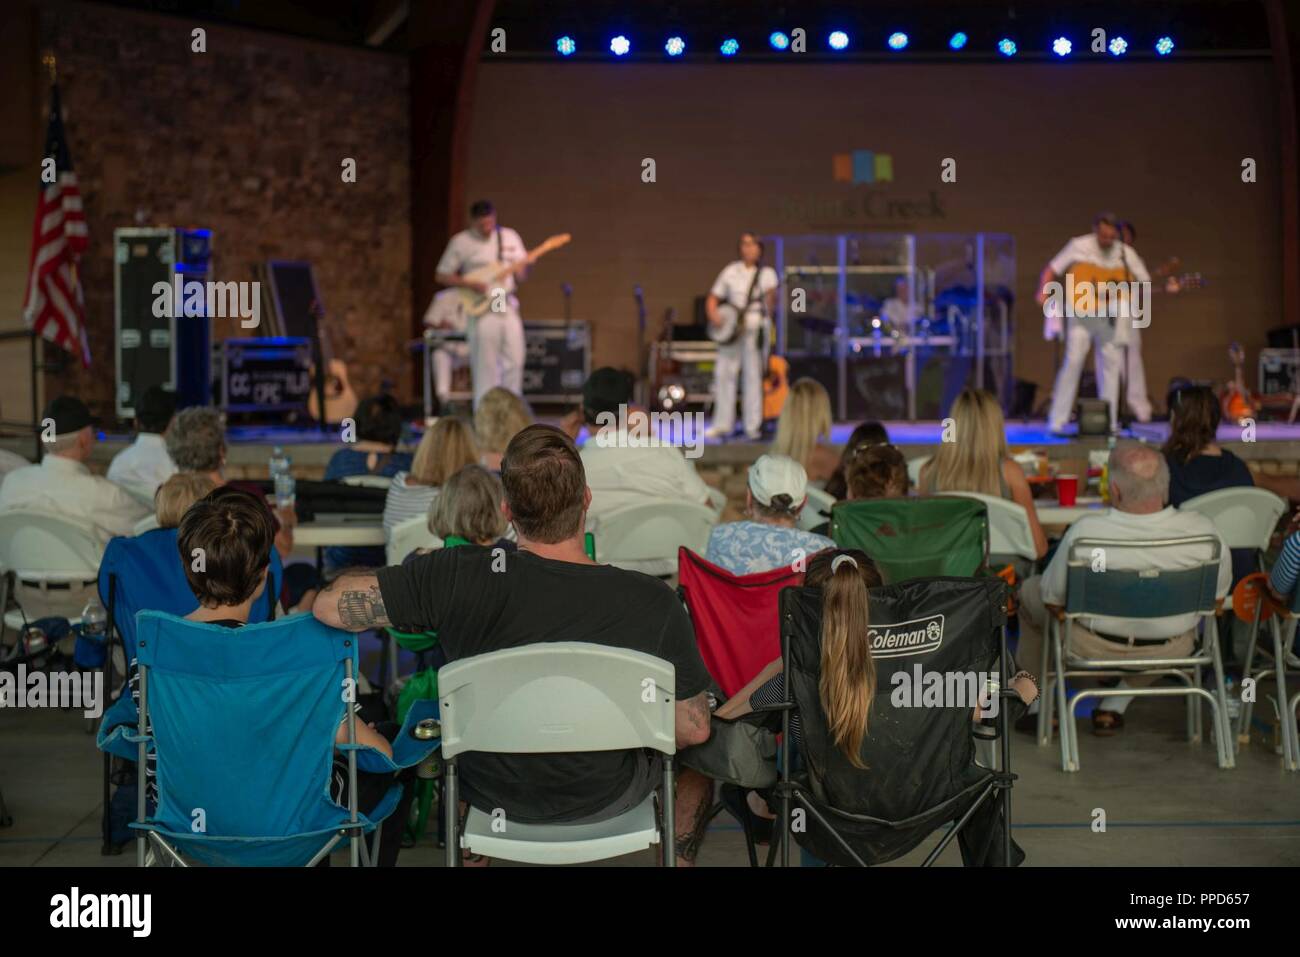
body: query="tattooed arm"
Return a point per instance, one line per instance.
(352, 602)
(692, 720)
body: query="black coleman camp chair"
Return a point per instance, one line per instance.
(921, 760)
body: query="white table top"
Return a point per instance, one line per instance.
(327, 530)
(1053, 514)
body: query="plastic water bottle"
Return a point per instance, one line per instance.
(282, 477)
(94, 621)
(1234, 699)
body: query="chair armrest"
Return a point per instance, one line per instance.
(408, 750)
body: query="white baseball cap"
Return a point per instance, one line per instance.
(774, 475)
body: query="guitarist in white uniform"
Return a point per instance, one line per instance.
(742, 297)
(496, 338)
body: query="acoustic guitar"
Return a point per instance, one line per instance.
(491, 275)
(1235, 401)
(340, 400)
(1090, 279)
(776, 386)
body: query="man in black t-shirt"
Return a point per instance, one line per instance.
(482, 599)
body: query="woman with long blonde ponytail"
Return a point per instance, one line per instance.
(848, 672)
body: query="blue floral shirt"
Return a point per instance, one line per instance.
(744, 548)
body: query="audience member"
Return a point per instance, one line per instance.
(1139, 490)
(547, 591)
(63, 486)
(877, 471)
(469, 508)
(976, 459)
(499, 417)
(768, 538)
(196, 442)
(11, 462)
(178, 493)
(235, 532)
(848, 699)
(447, 447)
(144, 464)
(803, 429)
(624, 470)
(867, 433)
(379, 430)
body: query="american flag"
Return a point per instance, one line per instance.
(54, 306)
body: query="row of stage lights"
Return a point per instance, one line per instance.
(838, 41)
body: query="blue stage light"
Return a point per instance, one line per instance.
(1165, 46)
(1007, 46)
(620, 45)
(1118, 46)
(838, 40)
(1061, 46)
(675, 46)
(958, 40)
(730, 47)
(778, 40)
(897, 41)
(566, 46)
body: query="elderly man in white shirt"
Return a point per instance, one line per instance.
(623, 472)
(1139, 489)
(62, 485)
(145, 464)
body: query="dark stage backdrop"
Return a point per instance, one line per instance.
(247, 139)
(1040, 147)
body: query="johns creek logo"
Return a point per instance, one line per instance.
(919, 636)
(863, 166)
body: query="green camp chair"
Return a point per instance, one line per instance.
(915, 537)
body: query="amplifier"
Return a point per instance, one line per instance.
(266, 375)
(1278, 369)
(557, 360)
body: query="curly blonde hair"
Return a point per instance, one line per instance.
(500, 416)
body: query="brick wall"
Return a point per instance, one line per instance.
(247, 139)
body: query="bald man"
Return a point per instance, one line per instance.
(1139, 489)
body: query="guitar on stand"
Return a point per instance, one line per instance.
(332, 391)
(491, 275)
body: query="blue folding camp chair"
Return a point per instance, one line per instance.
(145, 572)
(243, 723)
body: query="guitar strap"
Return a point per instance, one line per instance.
(749, 298)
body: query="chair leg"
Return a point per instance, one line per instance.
(1247, 666)
(1295, 732)
(1045, 706)
(1064, 710)
(451, 813)
(669, 813)
(1287, 717)
(1195, 712)
(1223, 724)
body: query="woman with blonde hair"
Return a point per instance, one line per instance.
(499, 417)
(804, 427)
(447, 447)
(178, 493)
(975, 459)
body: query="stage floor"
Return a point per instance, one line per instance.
(250, 447)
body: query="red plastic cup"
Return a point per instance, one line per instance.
(1067, 489)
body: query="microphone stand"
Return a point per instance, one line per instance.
(1122, 416)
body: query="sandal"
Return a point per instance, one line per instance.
(1107, 724)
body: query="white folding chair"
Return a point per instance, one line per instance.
(1009, 533)
(1246, 516)
(146, 524)
(1099, 585)
(652, 530)
(405, 537)
(549, 698)
(367, 481)
(817, 510)
(55, 564)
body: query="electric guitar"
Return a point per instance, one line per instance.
(478, 303)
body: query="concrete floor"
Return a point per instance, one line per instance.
(1166, 802)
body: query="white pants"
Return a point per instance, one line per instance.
(444, 361)
(1135, 379)
(739, 360)
(1079, 338)
(496, 352)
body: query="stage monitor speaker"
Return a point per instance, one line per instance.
(170, 350)
(1094, 416)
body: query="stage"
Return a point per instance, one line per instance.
(1275, 449)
